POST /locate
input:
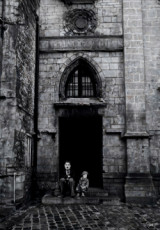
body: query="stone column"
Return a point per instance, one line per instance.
(139, 186)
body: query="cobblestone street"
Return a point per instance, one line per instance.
(85, 217)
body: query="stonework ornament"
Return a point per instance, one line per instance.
(69, 2)
(80, 22)
(19, 149)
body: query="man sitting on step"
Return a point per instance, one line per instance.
(67, 182)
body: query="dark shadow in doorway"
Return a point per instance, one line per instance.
(80, 141)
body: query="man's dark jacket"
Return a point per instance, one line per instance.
(63, 174)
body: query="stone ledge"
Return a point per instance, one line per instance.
(48, 131)
(48, 38)
(110, 44)
(75, 102)
(114, 175)
(154, 132)
(79, 104)
(135, 135)
(113, 131)
(49, 200)
(69, 2)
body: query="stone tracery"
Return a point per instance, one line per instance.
(70, 68)
(80, 22)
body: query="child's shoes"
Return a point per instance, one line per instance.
(83, 195)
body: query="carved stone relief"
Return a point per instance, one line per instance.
(25, 66)
(19, 150)
(80, 22)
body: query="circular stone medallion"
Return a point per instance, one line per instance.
(80, 21)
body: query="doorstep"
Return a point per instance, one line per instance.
(49, 199)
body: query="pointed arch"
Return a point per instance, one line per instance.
(87, 72)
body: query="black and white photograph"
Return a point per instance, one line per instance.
(79, 114)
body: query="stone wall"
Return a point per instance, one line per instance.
(53, 15)
(0, 8)
(17, 100)
(151, 25)
(114, 164)
(139, 185)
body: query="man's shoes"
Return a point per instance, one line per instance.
(78, 196)
(61, 196)
(72, 195)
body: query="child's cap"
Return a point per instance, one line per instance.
(84, 172)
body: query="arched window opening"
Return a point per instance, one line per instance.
(81, 82)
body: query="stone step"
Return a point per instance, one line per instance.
(96, 192)
(50, 200)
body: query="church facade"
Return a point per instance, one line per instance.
(80, 82)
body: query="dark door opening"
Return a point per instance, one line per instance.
(80, 141)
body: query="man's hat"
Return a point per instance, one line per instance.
(84, 172)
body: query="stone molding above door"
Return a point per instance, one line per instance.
(78, 1)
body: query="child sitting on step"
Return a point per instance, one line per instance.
(83, 184)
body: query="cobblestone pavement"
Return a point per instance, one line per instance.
(85, 217)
